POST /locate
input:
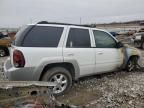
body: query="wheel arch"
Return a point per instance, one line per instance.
(130, 57)
(128, 61)
(66, 65)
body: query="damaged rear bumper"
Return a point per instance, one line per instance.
(17, 74)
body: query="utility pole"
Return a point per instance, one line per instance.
(80, 20)
(31, 20)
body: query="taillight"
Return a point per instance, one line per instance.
(18, 59)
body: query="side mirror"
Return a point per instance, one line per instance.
(120, 45)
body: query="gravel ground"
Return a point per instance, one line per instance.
(113, 90)
(2, 59)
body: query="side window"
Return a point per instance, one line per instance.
(104, 40)
(43, 36)
(78, 38)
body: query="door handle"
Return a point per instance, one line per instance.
(100, 53)
(70, 54)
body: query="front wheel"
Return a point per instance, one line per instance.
(132, 64)
(61, 77)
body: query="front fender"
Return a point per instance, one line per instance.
(130, 51)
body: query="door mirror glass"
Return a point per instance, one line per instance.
(119, 45)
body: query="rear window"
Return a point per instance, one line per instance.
(43, 36)
(20, 35)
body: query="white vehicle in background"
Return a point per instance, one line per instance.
(139, 40)
(62, 53)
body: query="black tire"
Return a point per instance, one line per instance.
(142, 46)
(58, 72)
(132, 64)
(137, 44)
(2, 52)
(142, 41)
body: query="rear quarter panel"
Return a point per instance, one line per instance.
(34, 55)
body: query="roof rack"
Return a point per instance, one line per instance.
(85, 25)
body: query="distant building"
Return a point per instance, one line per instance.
(8, 30)
(141, 23)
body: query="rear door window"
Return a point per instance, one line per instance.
(43, 36)
(78, 38)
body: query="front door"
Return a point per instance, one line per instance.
(108, 56)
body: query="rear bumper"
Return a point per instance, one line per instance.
(17, 74)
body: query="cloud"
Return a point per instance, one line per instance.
(19, 12)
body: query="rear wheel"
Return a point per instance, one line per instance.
(61, 77)
(132, 64)
(2, 52)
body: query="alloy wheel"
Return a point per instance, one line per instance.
(61, 83)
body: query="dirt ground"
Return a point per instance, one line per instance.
(112, 90)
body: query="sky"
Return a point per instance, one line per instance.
(15, 13)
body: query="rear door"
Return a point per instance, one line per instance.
(108, 56)
(78, 48)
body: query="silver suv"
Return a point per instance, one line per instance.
(63, 53)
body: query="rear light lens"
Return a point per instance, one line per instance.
(18, 59)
